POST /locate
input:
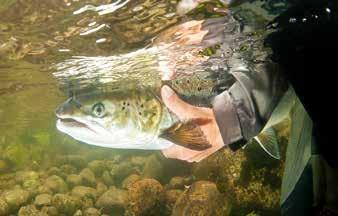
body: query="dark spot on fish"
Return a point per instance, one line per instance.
(188, 81)
(199, 89)
(141, 105)
(123, 108)
(140, 113)
(128, 104)
(176, 81)
(124, 103)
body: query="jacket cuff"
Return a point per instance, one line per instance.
(228, 121)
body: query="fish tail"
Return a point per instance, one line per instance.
(268, 141)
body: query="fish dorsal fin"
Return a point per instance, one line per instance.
(187, 134)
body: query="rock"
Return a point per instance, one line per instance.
(5, 166)
(121, 170)
(56, 184)
(54, 171)
(74, 160)
(43, 200)
(50, 210)
(143, 196)
(30, 210)
(78, 213)
(113, 200)
(74, 180)
(82, 191)
(130, 180)
(88, 177)
(138, 160)
(107, 179)
(101, 188)
(44, 189)
(68, 169)
(92, 212)
(171, 197)
(87, 202)
(97, 166)
(178, 182)
(16, 198)
(4, 208)
(152, 168)
(22, 176)
(202, 198)
(66, 204)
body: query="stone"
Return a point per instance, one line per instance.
(56, 184)
(138, 160)
(88, 177)
(152, 168)
(82, 191)
(78, 213)
(144, 195)
(130, 180)
(16, 198)
(66, 204)
(112, 200)
(107, 179)
(92, 212)
(202, 198)
(30, 210)
(68, 169)
(97, 166)
(101, 188)
(43, 200)
(121, 170)
(179, 182)
(171, 197)
(50, 210)
(74, 180)
(4, 208)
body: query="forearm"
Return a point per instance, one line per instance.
(242, 111)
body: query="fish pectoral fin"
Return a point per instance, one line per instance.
(268, 141)
(187, 134)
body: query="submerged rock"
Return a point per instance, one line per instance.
(122, 170)
(74, 180)
(30, 210)
(107, 179)
(56, 184)
(4, 208)
(78, 213)
(113, 200)
(170, 198)
(68, 169)
(152, 168)
(16, 198)
(50, 210)
(143, 196)
(178, 182)
(91, 212)
(66, 204)
(101, 188)
(202, 198)
(97, 166)
(127, 182)
(88, 177)
(43, 200)
(82, 191)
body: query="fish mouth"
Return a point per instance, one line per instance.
(72, 123)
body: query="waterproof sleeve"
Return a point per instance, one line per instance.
(243, 109)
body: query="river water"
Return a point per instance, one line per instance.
(45, 172)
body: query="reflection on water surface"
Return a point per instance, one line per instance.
(44, 171)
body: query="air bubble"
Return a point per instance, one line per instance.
(292, 20)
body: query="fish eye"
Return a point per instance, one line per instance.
(98, 110)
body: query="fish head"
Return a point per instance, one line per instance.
(125, 119)
(89, 118)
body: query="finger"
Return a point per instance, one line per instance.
(175, 104)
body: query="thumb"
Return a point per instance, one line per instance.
(175, 104)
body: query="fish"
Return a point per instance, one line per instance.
(124, 108)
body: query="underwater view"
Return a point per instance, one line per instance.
(83, 128)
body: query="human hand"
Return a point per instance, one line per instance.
(185, 111)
